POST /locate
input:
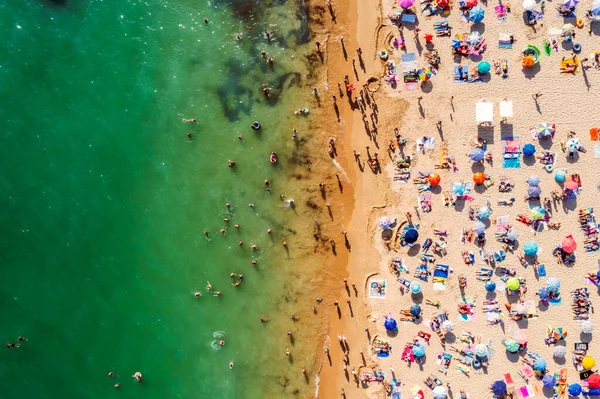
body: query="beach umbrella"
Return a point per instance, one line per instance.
(428, 37)
(594, 381)
(479, 228)
(543, 293)
(385, 222)
(528, 150)
(471, 3)
(513, 283)
(588, 362)
(512, 235)
(425, 73)
(533, 180)
(481, 350)
(574, 389)
(528, 60)
(538, 213)
(440, 392)
(499, 388)
(595, 7)
(479, 178)
(411, 236)
(442, 3)
(406, 3)
(569, 245)
(559, 333)
(390, 324)
(511, 345)
(447, 326)
(417, 392)
(549, 380)
(530, 248)
(484, 212)
(418, 350)
(483, 67)
(458, 188)
(520, 338)
(493, 317)
(571, 185)
(553, 284)
(434, 179)
(545, 129)
(560, 351)
(477, 154)
(415, 310)
(474, 38)
(476, 14)
(573, 143)
(570, 3)
(528, 4)
(534, 191)
(490, 286)
(499, 255)
(587, 327)
(415, 287)
(539, 364)
(560, 175)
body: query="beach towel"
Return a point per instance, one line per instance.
(594, 134)
(512, 153)
(411, 18)
(565, 64)
(461, 73)
(471, 302)
(427, 144)
(504, 41)
(424, 202)
(377, 289)
(597, 151)
(502, 223)
(500, 12)
(541, 270)
(440, 277)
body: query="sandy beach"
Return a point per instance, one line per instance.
(444, 113)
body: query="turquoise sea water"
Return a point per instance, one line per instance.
(105, 200)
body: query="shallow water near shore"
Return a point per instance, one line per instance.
(105, 199)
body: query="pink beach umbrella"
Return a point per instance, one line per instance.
(569, 245)
(406, 3)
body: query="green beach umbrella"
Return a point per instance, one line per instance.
(513, 283)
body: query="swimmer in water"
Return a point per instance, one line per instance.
(111, 374)
(190, 136)
(21, 339)
(221, 342)
(255, 247)
(217, 293)
(237, 226)
(241, 243)
(231, 163)
(227, 205)
(206, 233)
(267, 182)
(223, 231)
(11, 345)
(268, 231)
(287, 352)
(251, 205)
(231, 364)
(197, 294)
(254, 262)
(192, 120)
(138, 376)
(208, 286)
(232, 275)
(264, 319)
(205, 20)
(226, 220)
(117, 385)
(240, 137)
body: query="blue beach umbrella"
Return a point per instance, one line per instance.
(477, 155)
(560, 175)
(530, 248)
(570, 3)
(539, 364)
(411, 236)
(476, 14)
(458, 188)
(528, 150)
(418, 350)
(534, 191)
(490, 286)
(415, 310)
(499, 387)
(483, 67)
(484, 212)
(479, 228)
(511, 345)
(574, 389)
(543, 293)
(415, 287)
(553, 284)
(390, 324)
(549, 380)
(595, 7)
(512, 235)
(533, 180)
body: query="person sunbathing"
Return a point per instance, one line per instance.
(568, 69)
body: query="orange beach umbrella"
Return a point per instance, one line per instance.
(434, 179)
(479, 178)
(528, 60)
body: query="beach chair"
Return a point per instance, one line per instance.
(541, 270)
(410, 18)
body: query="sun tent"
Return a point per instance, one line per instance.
(484, 111)
(506, 108)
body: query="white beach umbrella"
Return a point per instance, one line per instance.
(440, 392)
(587, 327)
(447, 326)
(481, 350)
(528, 4)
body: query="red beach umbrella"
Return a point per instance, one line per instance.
(428, 37)
(569, 245)
(594, 381)
(471, 3)
(434, 179)
(571, 185)
(442, 3)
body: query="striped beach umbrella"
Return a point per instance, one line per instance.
(476, 14)
(545, 129)
(570, 3)
(595, 7)
(425, 73)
